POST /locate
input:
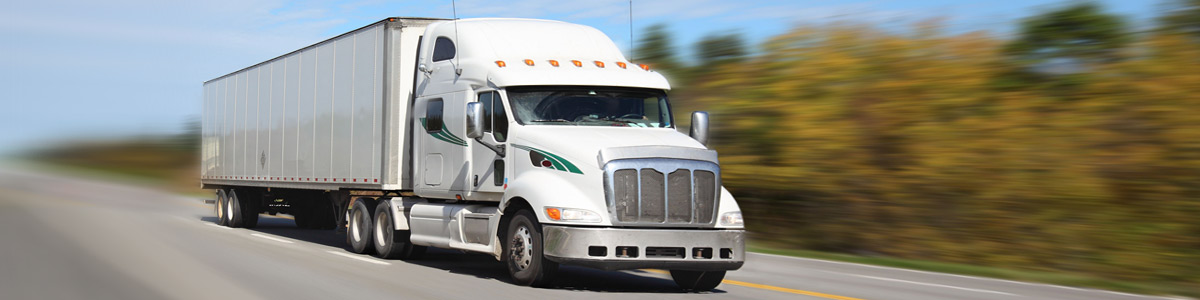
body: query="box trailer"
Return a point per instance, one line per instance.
(534, 141)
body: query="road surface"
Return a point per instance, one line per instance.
(72, 238)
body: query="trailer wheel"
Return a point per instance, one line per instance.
(233, 210)
(700, 281)
(523, 252)
(358, 235)
(391, 243)
(219, 208)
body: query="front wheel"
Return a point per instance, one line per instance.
(523, 252)
(701, 281)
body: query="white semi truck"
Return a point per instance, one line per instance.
(534, 141)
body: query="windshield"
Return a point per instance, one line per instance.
(590, 106)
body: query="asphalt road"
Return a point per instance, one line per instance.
(73, 238)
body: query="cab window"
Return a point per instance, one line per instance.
(443, 49)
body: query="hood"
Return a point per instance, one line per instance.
(581, 145)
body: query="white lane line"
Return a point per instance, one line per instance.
(217, 226)
(924, 283)
(959, 276)
(352, 256)
(272, 238)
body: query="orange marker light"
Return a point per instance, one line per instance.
(621, 64)
(644, 67)
(599, 64)
(553, 213)
(529, 62)
(500, 63)
(577, 63)
(553, 62)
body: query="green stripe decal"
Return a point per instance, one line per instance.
(444, 135)
(556, 162)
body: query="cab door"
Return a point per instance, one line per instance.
(487, 168)
(440, 149)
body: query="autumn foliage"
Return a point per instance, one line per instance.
(951, 147)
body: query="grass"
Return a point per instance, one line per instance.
(1065, 279)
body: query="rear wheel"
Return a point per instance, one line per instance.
(391, 243)
(233, 210)
(219, 208)
(523, 252)
(700, 281)
(358, 235)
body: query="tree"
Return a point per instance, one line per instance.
(715, 49)
(1072, 39)
(655, 48)
(1182, 17)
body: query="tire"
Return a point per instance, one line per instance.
(359, 234)
(233, 210)
(699, 281)
(390, 243)
(523, 252)
(219, 208)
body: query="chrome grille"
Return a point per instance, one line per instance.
(666, 192)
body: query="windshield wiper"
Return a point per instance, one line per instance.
(550, 120)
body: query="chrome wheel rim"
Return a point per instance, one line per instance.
(229, 208)
(522, 248)
(382, 219)
(354, 226)
(220, 208)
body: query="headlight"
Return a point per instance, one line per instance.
(572, 215)
(733, 218)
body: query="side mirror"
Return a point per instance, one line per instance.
(699, 130)
(474, 120)
(424, 69)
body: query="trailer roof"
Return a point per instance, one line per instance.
(389, 19)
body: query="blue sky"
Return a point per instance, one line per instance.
(101, 69)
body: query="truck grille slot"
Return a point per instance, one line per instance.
(652, 193)
(669, 252)
(662, 191)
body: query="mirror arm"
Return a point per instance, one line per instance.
(499, 149)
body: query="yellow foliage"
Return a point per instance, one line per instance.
(852, 139)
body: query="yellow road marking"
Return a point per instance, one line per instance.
(770, 287)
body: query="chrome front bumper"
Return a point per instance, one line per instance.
(621, 248)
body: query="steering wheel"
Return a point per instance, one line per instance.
(632, 116)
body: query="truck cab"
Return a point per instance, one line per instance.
(548, 119)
